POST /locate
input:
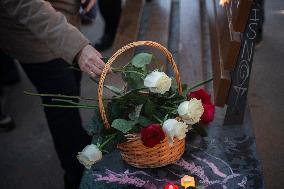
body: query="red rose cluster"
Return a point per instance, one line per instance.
(209, 108)
(152, 135)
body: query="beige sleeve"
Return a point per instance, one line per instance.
(48, 25)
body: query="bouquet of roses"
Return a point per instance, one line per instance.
(148, 118)
(148, 107)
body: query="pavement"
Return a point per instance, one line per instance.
(266, 95)
(28, 159)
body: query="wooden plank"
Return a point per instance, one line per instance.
(158, 24)
(241, 75)
(230, 43)
(190, 57)
(128, 28)
(127, 32)
(221, 82)
(238, 11)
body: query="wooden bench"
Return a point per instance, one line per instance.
(233, 29)
(227, 158)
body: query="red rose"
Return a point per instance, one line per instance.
(208, 114)
(200, 95)
(209, 108)
(152, 135)
(171, 186)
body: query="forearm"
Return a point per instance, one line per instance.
(48, 25)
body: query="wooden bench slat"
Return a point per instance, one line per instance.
(157, 27)
(221, 82)
(239, 12)
(230, 43)
(190, 56)
(128, 27)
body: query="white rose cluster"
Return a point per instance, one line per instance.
(174, 128)
(90, 155)
(191, 111)
(158, 82)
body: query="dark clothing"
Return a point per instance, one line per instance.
(110, 11)
(55, 77)
(8, 71)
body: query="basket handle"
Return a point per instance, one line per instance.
(121, 51)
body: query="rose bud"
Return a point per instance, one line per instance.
(152, 135)
(158, 82)
(191, 111)
(90, 155)
(174, 128)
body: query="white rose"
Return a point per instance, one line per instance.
(174, 128)
(191, 111)
(90, 155)
(158, 82)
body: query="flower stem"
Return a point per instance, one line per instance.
(71, 102)
(107, 141)
(68, 106)
(201, 83)
(62, 96)
(127, 71)
(158, 119)
(58, 95)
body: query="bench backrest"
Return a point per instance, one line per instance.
(233, 28)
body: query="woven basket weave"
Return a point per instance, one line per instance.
(133, 151)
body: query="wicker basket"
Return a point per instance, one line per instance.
(133, 151)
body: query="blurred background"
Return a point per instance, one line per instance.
(27, 155)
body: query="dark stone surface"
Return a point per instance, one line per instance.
(227, 158)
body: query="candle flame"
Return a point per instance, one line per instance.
(223, 2)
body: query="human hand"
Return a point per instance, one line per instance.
(89, 5)
(89, 60)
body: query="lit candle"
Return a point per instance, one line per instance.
(222, 2)
(187, 181)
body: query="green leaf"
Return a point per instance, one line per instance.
(114, 89)
(143, 121)
(149, 108)
(114, 110)
(105, 59)
(134, 81)
(141, 60)
(122, 125)
(134, 98)
(111, 145)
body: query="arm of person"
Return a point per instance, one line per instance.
(51, 26)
